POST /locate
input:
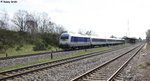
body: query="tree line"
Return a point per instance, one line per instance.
(28, 28)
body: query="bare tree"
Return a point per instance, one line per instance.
(113, 36)
(45, 25)
(60, 29)
(19, 19)
(44, 22)
(89, 32)
(52, 27)
(4, 20)
(31, 24)
(81, 32)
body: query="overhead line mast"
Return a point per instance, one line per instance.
(128, 29)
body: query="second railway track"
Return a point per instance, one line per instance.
(109, 70)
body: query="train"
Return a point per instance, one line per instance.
(73, 41)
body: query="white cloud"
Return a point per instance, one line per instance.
(105, 17)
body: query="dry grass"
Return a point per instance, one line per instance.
(145, 70)
(148, 47)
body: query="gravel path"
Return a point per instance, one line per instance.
(68, 71)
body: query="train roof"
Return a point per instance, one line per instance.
(114, 39)
(97, 37)
(106, 38)
(72, 34)
(78, 35)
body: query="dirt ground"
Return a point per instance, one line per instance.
(143, 67)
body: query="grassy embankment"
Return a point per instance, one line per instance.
(26, 49)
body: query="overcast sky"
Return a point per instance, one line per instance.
(104, 17)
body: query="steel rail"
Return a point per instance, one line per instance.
(125, 64)
(102, 65)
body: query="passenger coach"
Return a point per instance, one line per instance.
(95, 41)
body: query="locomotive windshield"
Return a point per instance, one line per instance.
(63, 37)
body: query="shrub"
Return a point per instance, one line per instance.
(19, 47)
(49, 47)
(39, 46)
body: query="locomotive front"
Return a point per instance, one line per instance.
(64, 41)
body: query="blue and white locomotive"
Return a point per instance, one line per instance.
(69, 40)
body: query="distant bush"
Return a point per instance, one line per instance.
(39, 46)
(19, 47)
(8, 39)
(49, 47)
(42, 41)
(50, 38)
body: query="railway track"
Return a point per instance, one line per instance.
(22, 71)
(43, 56)
(109, 70)
(28, 55)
